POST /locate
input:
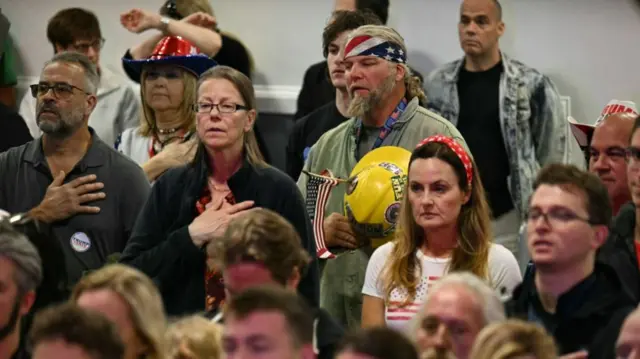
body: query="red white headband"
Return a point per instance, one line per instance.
(457, 149)
(366, 45)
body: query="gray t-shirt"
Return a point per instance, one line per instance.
(368, 137)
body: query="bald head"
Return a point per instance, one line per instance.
(620, 123)
(494, 5)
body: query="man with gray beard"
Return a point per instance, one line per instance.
(384, 106)
(68, 178)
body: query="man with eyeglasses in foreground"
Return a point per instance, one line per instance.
(78, 30)
(69, 178)
(579, 300)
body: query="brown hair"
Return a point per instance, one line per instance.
(244, 86)
(295, 310)
(194, 337)
(344, 21)
(513, 339)
(186, 112)
(263, 236)
(474, 229)
(379, 343)
(141, 296)
(573, 178)
(69, 25)
(87, 329)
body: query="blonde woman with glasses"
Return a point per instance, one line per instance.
(191, 205)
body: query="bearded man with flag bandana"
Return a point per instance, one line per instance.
(385, 111)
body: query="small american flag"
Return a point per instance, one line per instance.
(318, 189)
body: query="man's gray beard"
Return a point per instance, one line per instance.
(433, 353)
(63, 127)
(363, 106)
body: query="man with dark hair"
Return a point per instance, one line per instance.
(510, 114)
(69, 178)
(261, 248)
(379, 7)
(378, 343)
(268, 322)
(318, 87)
(308, 130)
(579, 300)
(78, 30)
(20, 276)
(67, 331)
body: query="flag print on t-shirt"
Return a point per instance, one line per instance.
(399, 314)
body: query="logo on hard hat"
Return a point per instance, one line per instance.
(392, 213)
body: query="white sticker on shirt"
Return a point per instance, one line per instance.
(80, 242)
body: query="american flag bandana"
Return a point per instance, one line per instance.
(366, 45)
(318, 189)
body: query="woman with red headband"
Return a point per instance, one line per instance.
(168, 80)
(444, 226)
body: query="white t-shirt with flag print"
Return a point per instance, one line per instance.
(503, 270)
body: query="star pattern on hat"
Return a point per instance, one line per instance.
(457, 149)
(390, 50)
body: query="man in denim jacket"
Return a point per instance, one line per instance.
(511, 116)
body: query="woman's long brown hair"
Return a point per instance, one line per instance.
(402, 269)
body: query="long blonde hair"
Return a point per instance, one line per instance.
(402, 269)
(186, 112)
(194, 337)
(244, 86)
(142, 298)
(513, 339)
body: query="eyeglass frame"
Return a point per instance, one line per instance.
(96, 45)
(34, 89)
(612, 153)
(237, 107)
(546, 218)
(632, 154)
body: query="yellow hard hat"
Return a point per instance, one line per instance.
(374, 191)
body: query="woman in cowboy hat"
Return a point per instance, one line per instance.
(168, 90)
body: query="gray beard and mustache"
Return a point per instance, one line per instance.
(66, 124)
(434, 353)
(362, 106)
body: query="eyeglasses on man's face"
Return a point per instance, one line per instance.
(612, 153)
(555, 217)
(61, 90)
(84, 46)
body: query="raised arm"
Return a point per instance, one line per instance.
(195, 28)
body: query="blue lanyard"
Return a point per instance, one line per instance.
(386, 129)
